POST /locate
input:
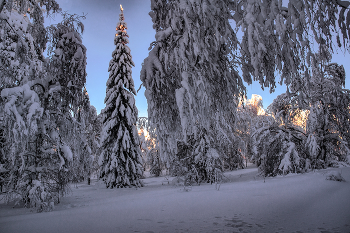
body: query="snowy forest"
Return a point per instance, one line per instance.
(200, 121)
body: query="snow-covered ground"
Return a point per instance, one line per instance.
(294, 203)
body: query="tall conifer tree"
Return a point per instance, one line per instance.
(120, 160)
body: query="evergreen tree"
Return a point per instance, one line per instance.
(120, 161)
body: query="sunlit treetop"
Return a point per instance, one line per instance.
(121, 26)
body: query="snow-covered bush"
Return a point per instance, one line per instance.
(40, 199)
(154, 162)
(279, 150)
(196, 159)
(334, 175)
(233, 158)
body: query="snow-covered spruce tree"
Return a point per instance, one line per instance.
(120, 160)
(279, 148)
(189, 76)
(153, 159)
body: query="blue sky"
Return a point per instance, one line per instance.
(101, 20)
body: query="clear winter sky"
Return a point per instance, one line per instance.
(101, 20)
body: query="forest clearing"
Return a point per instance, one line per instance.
(293, 203)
